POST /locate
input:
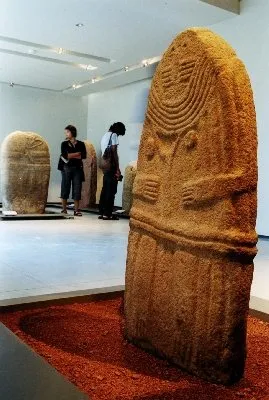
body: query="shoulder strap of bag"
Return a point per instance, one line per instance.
(110, 140)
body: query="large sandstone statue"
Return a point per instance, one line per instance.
(89, 187)
(100, 177)
(192, 239)
(127, 194)
(25, 173)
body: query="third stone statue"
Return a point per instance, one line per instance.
(128, 183)
(89, 186)
(25, 173)
(192, 239)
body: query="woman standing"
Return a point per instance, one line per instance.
(73, 151)
(112, 173)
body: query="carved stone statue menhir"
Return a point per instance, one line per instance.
(89, 187)
(100, 177)
(192, 239)
(127, 193)
(25, 173)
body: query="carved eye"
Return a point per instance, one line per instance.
(150, 147)
(191, 140)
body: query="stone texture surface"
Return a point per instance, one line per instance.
(89, 187)
(192, 239)
(127, 194)
(100, 176)
(25, 173)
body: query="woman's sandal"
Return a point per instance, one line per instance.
(77, 214)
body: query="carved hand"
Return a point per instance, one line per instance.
(188, 195)
(218, 187)
(147, 187)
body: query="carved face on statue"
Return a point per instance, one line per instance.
(191, 146)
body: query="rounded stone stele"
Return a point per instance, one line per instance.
(192, 230)
(89, 187)
(25, 173)
(128, 183)
(100, 176)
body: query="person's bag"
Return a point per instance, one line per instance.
(107, 162)
(62, 162)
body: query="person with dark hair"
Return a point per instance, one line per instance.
(111, 169)
(73, 151)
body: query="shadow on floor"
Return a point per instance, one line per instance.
(93, 331)
(95, 338)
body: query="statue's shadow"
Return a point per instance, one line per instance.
(96, 338)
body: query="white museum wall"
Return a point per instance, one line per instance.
(249, 36)
(44, 112)
(127, 104)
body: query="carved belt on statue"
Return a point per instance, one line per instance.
(225, 242)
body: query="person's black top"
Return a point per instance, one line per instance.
(79, 147)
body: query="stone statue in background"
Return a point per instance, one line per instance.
(192, 239)
(89, 186)
(25, 173)
(127, 194)
(100, 177)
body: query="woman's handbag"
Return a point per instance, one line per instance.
(62, 162)
(107, 162)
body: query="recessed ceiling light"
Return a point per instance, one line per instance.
(32, 51)
(11, 84)
(79, 25)
(60, 50)
(126, 68)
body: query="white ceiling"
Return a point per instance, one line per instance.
(126, 31)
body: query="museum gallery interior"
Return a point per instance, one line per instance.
(134, 230)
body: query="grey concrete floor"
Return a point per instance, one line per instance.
(24, 375)
(42, 260)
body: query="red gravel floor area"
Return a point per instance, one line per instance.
(85, 343)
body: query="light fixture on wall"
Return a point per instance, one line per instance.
(144, 63)
(147, 62)
(90, 67)
(76, 86)
(55, 49)
(79, 25)
(11, 84)
(87, 67)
